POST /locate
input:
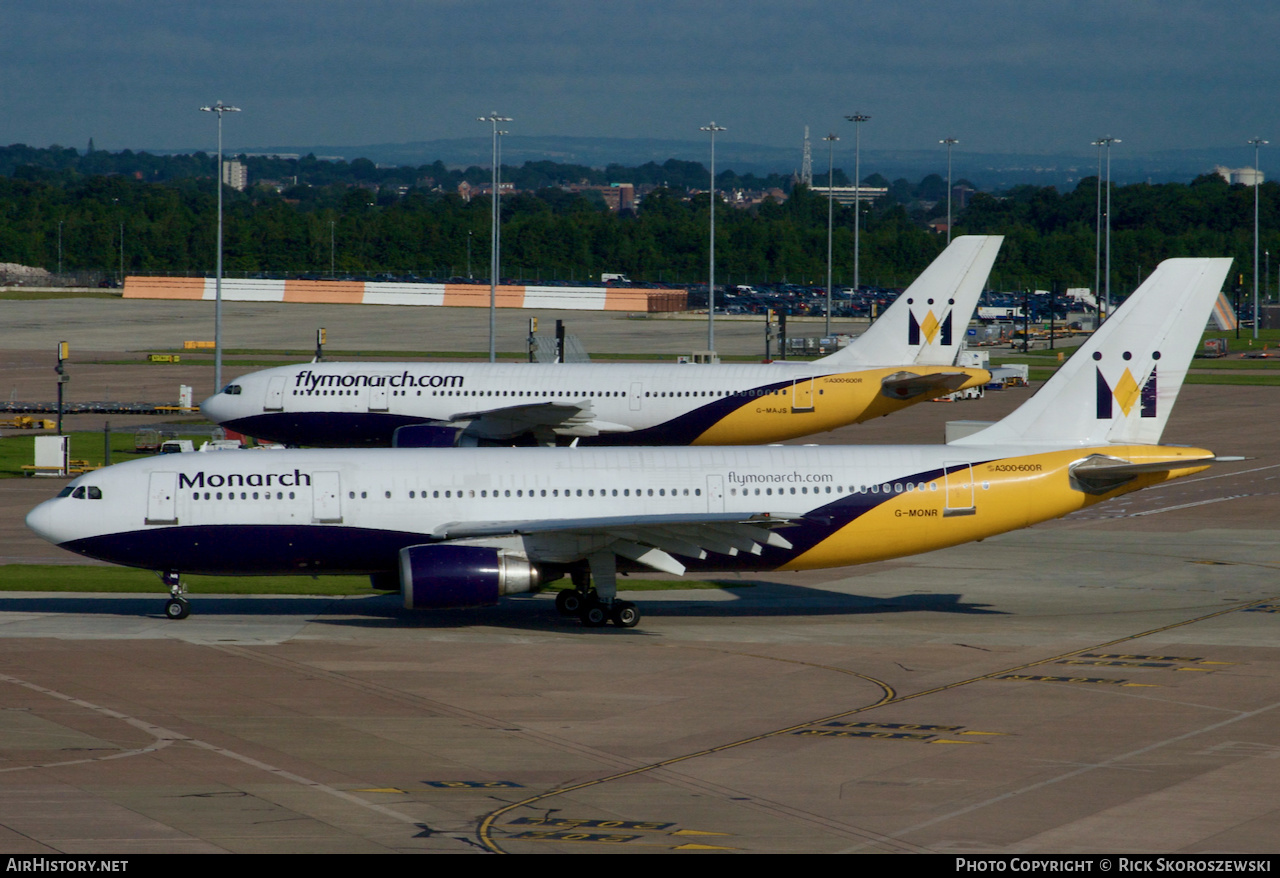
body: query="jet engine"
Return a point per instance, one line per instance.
(441, 575)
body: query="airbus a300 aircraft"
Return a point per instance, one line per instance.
(454, 527)
(906, 357)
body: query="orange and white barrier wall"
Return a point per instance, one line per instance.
(448, 295)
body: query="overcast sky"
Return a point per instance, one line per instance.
(1000, 75)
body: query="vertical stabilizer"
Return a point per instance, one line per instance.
(927, 323)
(1121, 385)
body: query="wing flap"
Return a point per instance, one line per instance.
(651, 540)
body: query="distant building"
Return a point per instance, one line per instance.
(617, 196)
(235, 175)
(846, 195)
(1243, 176)
(468, 192)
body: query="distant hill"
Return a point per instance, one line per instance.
(986, 170)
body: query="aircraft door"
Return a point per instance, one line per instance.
(275, 395)
(802, 395)
(715, 493)
(162, 499)
(378, 399)
(959, 486)
(326, 498)
(637, 392)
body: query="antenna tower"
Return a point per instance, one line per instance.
(806, 167)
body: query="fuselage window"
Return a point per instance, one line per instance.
(388, 493)
(291, 495)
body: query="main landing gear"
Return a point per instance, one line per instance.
(177, 607)
(591, 605)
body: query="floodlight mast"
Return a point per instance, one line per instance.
(711, 285)
(1257, 179)
(1106, 143)
(495, 226)
(857, 119)
(218, 108)
(831, 145)
(949, 142)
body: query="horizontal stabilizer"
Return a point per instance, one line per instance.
(1099, 474)
(908, 385)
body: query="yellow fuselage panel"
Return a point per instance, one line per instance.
(815, 404)
(920, 515)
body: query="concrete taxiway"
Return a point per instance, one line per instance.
(1108, 682)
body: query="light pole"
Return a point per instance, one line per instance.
(949, 142)
(857, 119)
(1106, 142)
(494, 226)
(59, 248)
(831, 184)
(1257, 178)
(218, 108)
(711, 286)
(1097, 238)
(332, 248)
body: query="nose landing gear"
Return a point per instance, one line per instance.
(177, 607)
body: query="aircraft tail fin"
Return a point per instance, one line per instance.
(1120, 386)
(927, 323)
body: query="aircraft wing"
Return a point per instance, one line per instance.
(908, 385)
(651, 540)
(1098, 474)
(569, 418)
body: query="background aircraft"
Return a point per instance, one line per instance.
(454, 527)
(905, 357)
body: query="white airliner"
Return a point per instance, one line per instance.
(906, 357)
(461, 527)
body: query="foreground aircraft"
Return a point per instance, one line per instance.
(453, 527)
(906, 357)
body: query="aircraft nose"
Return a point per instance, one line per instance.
(217, 408)
(44, 521)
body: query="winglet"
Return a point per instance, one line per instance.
(926, 324)
(1121, 385)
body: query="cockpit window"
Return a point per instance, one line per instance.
(78, 493)
(232, 390)
(95, 493)
(66, 492)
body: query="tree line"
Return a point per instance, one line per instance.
(410, 221)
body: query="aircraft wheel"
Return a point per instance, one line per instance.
(624, 614)
(177, 609)
(569, 603)
(593, 615)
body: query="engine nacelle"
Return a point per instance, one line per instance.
(442, 575)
